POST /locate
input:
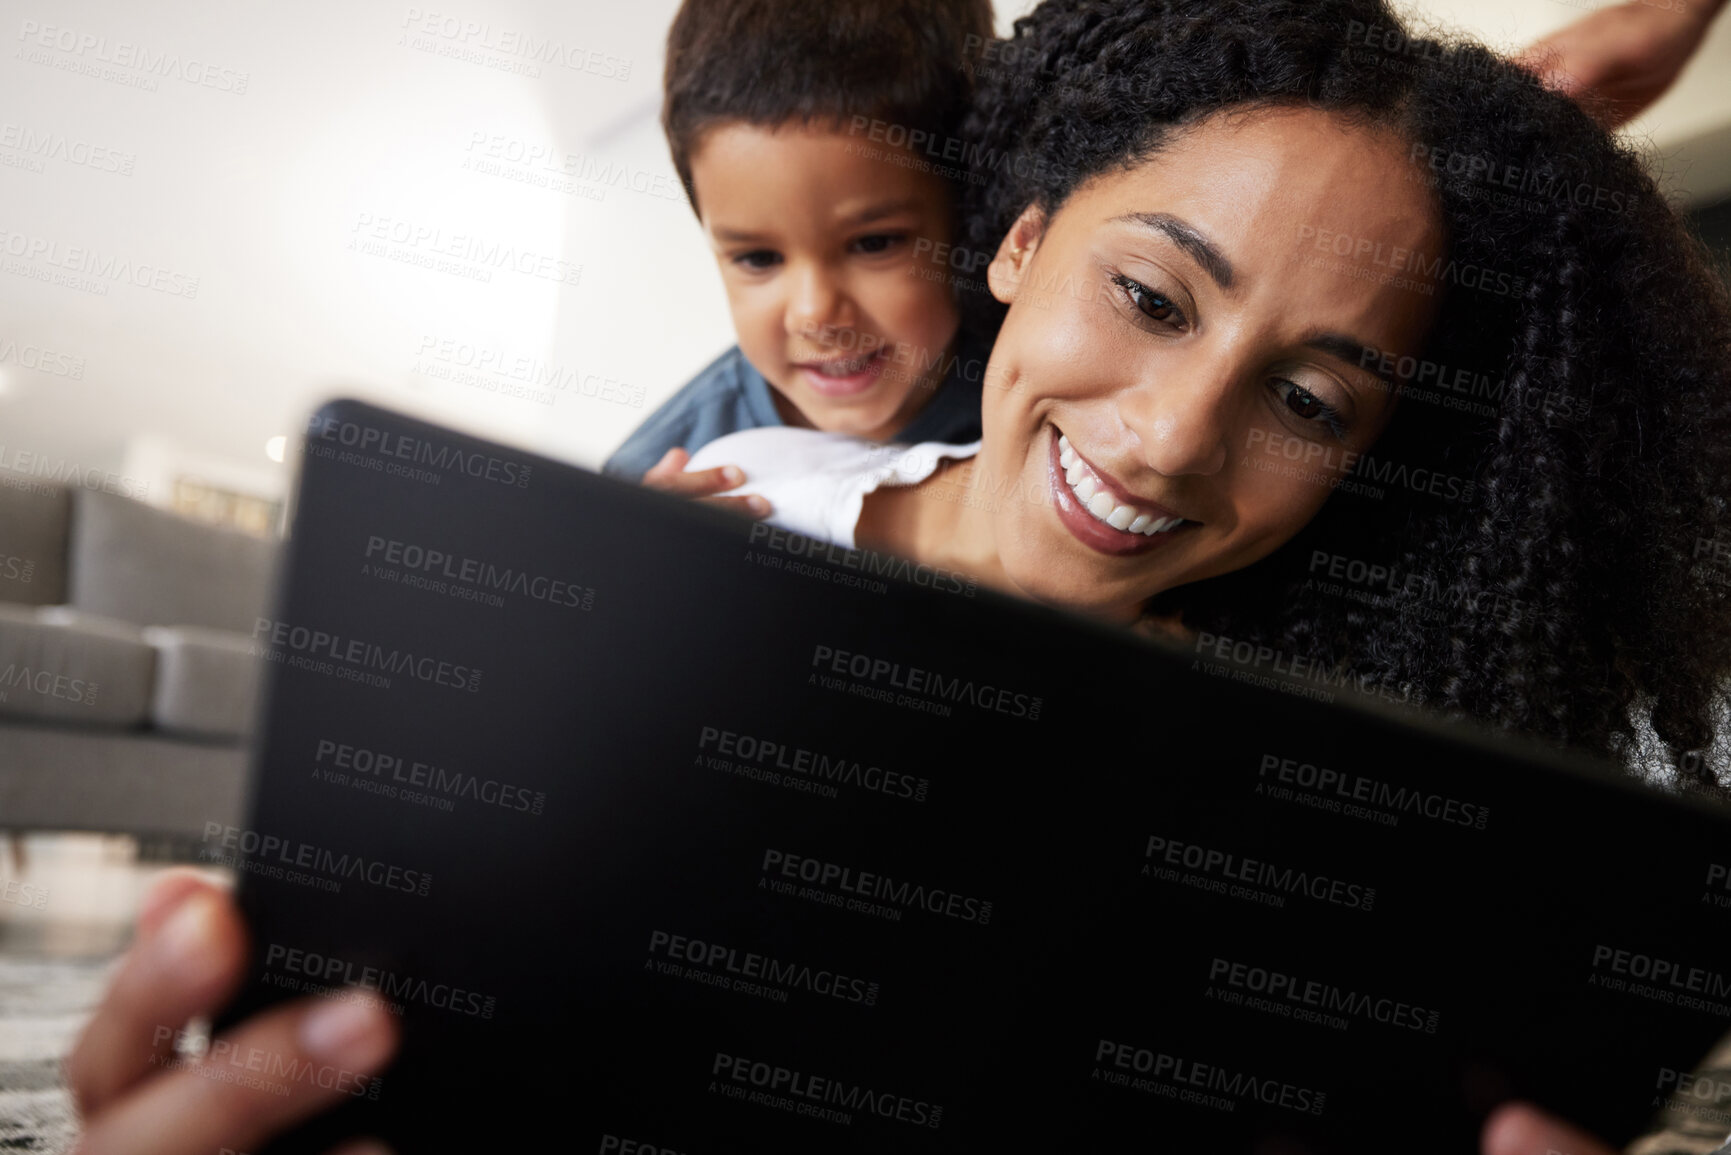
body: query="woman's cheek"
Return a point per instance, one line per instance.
(1069, 349)
(1272, 510)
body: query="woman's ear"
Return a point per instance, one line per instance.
(1009, 267)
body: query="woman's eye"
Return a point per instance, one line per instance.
(1151, 304)
(877, 243)
(758, 259)
(1307, 406)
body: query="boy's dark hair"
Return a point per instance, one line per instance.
(772, 62)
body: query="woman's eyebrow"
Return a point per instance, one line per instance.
(1353, 351)
(1187, 237)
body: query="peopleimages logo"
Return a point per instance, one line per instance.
(163, 65)
(1163, 853)
(36, 897)
(1310, 1000)
(366, 439)
(106, 267)
(618, 1145)
(864, 560)
(802, 1091)
(1356, 788)
(938, 688)
(257, 1068)
(866, 885)
(47, 684)
(1544, 182)
(767, 754)
(267, 850)
(59, 471)
(477, 36)
(396, 776)
(336, 972)
(42, 360)
(359, 657)
(1661, 980)
(1198, 1078)
(1718, 880)
(40, 145)
(753, 969)
(440, 566)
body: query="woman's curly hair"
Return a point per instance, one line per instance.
(1558, 587)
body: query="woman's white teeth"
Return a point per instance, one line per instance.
(1097, 500)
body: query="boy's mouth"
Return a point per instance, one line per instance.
(842, 376)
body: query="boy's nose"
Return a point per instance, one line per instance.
(816, 301)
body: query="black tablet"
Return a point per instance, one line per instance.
(668, 832)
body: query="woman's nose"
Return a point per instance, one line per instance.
(1184, 425)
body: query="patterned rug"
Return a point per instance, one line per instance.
(43, 1006)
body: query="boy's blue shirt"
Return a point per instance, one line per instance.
(731, 395)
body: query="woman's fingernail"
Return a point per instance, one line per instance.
(758, 505)
(165, 893)
(353, 1035)
(732, 475)
(185, 941)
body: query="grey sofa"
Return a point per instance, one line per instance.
(127, 669)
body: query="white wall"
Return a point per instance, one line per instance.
(270, 153)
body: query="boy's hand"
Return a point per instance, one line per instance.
(669, 476)
(138, 1097)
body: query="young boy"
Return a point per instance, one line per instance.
(789, 123)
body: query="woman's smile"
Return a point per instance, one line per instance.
(1096, 508)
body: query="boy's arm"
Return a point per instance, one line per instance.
(712, 404)
(709, 406)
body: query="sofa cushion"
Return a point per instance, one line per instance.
(66, 671)
(88, 622)
(130, 561)
(33, 527)
(206, 681)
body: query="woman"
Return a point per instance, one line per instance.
(1501, 286)
(1171, 183)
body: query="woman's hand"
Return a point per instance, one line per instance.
(668, 475)
(1619, 60)
(137, 1096)
(1519, 1129)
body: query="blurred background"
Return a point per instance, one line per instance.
(214, 216)
(217, 214)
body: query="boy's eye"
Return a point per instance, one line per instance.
(758, 259)
(877, 242)
(1149, 303)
